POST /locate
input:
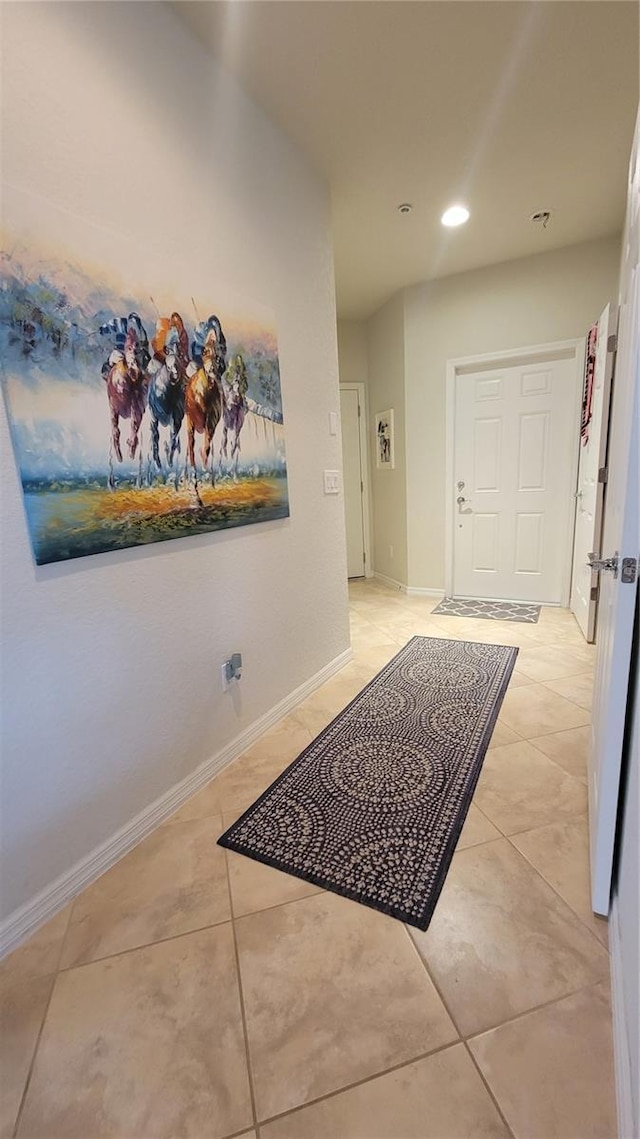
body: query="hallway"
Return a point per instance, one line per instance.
(193, 992)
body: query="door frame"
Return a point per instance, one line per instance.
(612, 312)
(361, 389)
(511, 357)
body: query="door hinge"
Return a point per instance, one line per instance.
(629, 570)
(604, 565)
(603, 474)
(364, 558)
(612, 343)
(593, 594)
(358, 411)
(361, 487)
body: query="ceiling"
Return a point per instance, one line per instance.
(510, 106)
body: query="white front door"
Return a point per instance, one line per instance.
(590, 494)
(353, 480)
(514, 461)
(621, 541)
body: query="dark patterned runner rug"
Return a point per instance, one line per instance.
(490, 610)
(373, 808)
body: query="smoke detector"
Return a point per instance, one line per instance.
(541, 217)
(405, 208)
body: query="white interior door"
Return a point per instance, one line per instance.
(353, 481)
(514, 462)
(588, 533)
(621, 539)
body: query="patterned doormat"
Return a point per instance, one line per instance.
(491, 610)
(373, 808)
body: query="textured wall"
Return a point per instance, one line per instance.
(127, 146)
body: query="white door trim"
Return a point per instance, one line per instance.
(364, 473)
(567, 349)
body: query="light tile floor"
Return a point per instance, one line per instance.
(193, 993)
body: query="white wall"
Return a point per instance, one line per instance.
(553, 296)
(352, 352)
(386, 370)
(126, 144)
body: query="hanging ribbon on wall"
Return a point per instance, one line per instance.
(587, 392)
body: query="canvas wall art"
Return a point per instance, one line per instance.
(385, 457)
(135, 421)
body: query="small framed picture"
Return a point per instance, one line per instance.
(385, 457)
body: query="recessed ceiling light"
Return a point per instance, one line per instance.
(405, 208)
(455, 215)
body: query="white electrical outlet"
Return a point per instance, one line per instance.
(332, 482)
(223, 674)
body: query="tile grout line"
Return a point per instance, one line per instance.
(569, 698)
(245, 1031)
(554, 731)
(144, 945)
(577, 778)
(550, 884)
(509, 1019)
(586, 670)
(535, 1008)
(542, 737)
(464, 1039)
(235, 1134)
(484, 815)
(54, 977)
(432, 979)
(489, 1089)
(360, 1083)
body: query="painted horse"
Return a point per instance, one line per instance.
(167, 380)
(234, 388)
(125, 376)
(202, 335)
(172, 328)
(204, 402)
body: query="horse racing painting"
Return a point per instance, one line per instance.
(134, 421)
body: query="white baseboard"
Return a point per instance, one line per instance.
(627, 1126)
(390, 581)
(410, 590)
(24, 921)
(420, 591)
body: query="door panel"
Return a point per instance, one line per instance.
(532, 460)
(588, 532)
(352, 481)
(529, 543)
(515, 443)
(488, 447)
(485, 543)
(536, 383)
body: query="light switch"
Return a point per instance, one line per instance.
(333, 422)
(332, 482)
